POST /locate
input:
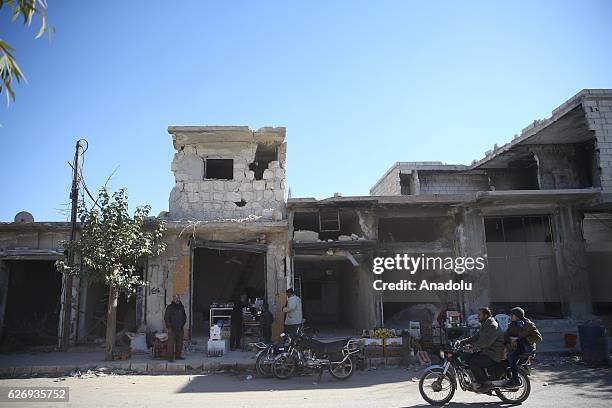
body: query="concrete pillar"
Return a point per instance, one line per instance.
(570, 256)
(277, 264)
(471, 242)
(368, 301)
(155, 296)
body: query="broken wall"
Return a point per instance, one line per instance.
(389, 184)
(439, 182)
(599, 117)
(239, 194)
(560, 166)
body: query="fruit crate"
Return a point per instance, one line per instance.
(373, 351)
(393, 351)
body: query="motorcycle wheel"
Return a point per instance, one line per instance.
(283, 366)
(435, 381)
(516, 396)
(263, 364)
(342, 370)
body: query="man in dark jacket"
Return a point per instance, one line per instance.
(236, 322)
(265, 320)
(490, 341)
(175, 319)
(528, 336)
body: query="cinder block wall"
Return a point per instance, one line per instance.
(196, 198)
(452, 183)
(389, 185)
(599, 117)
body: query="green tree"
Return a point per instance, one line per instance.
(9, 70)
(110, 248)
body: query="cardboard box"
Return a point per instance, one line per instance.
(216, 348)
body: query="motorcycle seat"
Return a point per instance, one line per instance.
(327, 347)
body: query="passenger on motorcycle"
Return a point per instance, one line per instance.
(528, 336)
(489, 340)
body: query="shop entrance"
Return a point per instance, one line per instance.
(329, 290)
(33, 302)
(222, 275)
(520, 249)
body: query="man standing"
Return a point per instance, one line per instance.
(236, 319)
(490, 341)
(528, 336)
(265, 320)
(175, 319)
(293, 320)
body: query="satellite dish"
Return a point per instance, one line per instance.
(24, 216)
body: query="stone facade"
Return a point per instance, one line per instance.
(239, 195)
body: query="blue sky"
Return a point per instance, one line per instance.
(359, 85)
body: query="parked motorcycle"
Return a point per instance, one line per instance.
(439, 382)
(267, 351)
(265, 356)
(303, 353)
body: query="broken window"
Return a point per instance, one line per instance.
(264, 154)
(586, 166)
(329, 223)
(406, 184)
(306, 221)
(220, 169)
(329, 220)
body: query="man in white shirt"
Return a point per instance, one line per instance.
(293, 319)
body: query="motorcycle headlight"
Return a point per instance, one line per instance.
(442, 354)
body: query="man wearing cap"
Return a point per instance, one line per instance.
(293, 320)
(528, 336)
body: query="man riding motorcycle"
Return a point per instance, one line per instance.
(527, 335)
(489, 340)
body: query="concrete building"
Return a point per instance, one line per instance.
(538, 209)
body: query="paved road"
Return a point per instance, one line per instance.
(574, 386)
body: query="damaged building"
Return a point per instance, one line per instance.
(538, 209)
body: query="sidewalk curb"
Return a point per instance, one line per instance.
(141, 368)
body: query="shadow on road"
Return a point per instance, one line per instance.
(467, 405)
(239, 383)
(587, 382)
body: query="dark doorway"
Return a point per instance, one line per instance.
(33, 305)
(95, 308)
(522, 266)
(222, 276)
(329, 292)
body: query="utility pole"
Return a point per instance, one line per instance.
(74, 195)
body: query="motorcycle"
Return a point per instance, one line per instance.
(267, 351)
(265, 356)
(305, 353)
(439, 382)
